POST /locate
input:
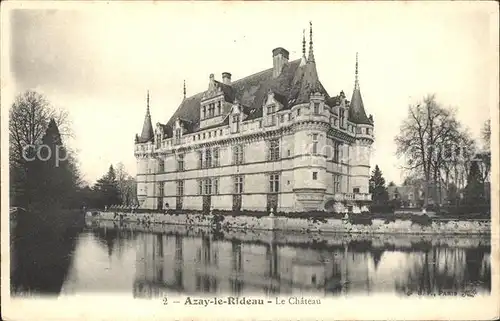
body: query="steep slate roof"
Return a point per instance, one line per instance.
(357, 112)
(252, 92)
(147, 133)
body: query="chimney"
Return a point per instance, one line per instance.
(226, 78)
(280, 58)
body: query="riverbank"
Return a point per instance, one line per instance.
(354, 224)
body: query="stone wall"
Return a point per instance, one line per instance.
(397, 226)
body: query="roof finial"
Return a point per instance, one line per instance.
(303, 42)
(356, 80)
(184, 89)
(311, 53)
(147, 103)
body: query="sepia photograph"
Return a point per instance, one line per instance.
(248, 160)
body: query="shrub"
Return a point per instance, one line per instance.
(360, 219)
(422, 220)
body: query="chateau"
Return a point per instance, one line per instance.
(275, 139)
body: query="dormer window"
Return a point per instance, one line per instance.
(342, 117)
(178, 134)
(204, 112)
(236, 123)
(218, 108)
(316, 108)
(271, 117)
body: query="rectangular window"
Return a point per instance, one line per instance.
(161, 165)
(216, 157)
(161, 190)
(342, 117)
(236, 123)
(316, 108)
(282, 118)
(209, 134)
(215, 187)
(218, 108)
(180, 162)
(200, 159)
(336, 152)
(274, 183)
(271, 117)
(289, 117)
(335, 122)
(315, 175)
(274, 150)
(238, 155)
(355, 190)
(298, 111)
(180, 188)
(208, 158)
(260, 123)
(200, 187)
(204, 112)
(238, 185)
(336, 183)
(177, 136)
(315, 144)
(207, 183)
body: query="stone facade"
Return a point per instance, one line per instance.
(275, 139)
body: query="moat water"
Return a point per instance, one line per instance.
(151, 261)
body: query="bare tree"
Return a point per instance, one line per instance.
(429, 138)
(28, 119)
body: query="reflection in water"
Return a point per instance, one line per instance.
(111, 258)
(196, 263)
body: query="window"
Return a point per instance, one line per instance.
(271, 117)
(336, 183)
(204, 112)
(161, 165)
(336, 152)
(215, 133)
(238, 185)
(315, 175)
(216, 157)
(200, 159)
(236, 123)
(274, 150)
(211, 110)
(298, 111)
(178, 136)
(194, 137)
(180, 162)
(315, 144)
(220, 132)
(355, 190)
(208, 158)
(282, 118)
(218, 108)
(238, 155)
(342, 117)
(316, 108)
(200, 187)
(289, 117)
(335, 122)
(260, 123)
(203, 135)
(161, 190)
(274, 183)
(180, 188)
(368, 131)
(207, 184)
(209, 134)
(215, 187)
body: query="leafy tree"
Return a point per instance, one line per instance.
(127, 186)
(377, 187)
(474, 191)
(107, 189)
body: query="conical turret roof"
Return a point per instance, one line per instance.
(357, 112)
(147, 133)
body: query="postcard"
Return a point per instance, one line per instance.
(250, 160)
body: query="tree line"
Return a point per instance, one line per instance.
(44, 172)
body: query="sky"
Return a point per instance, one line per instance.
(97, 61)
